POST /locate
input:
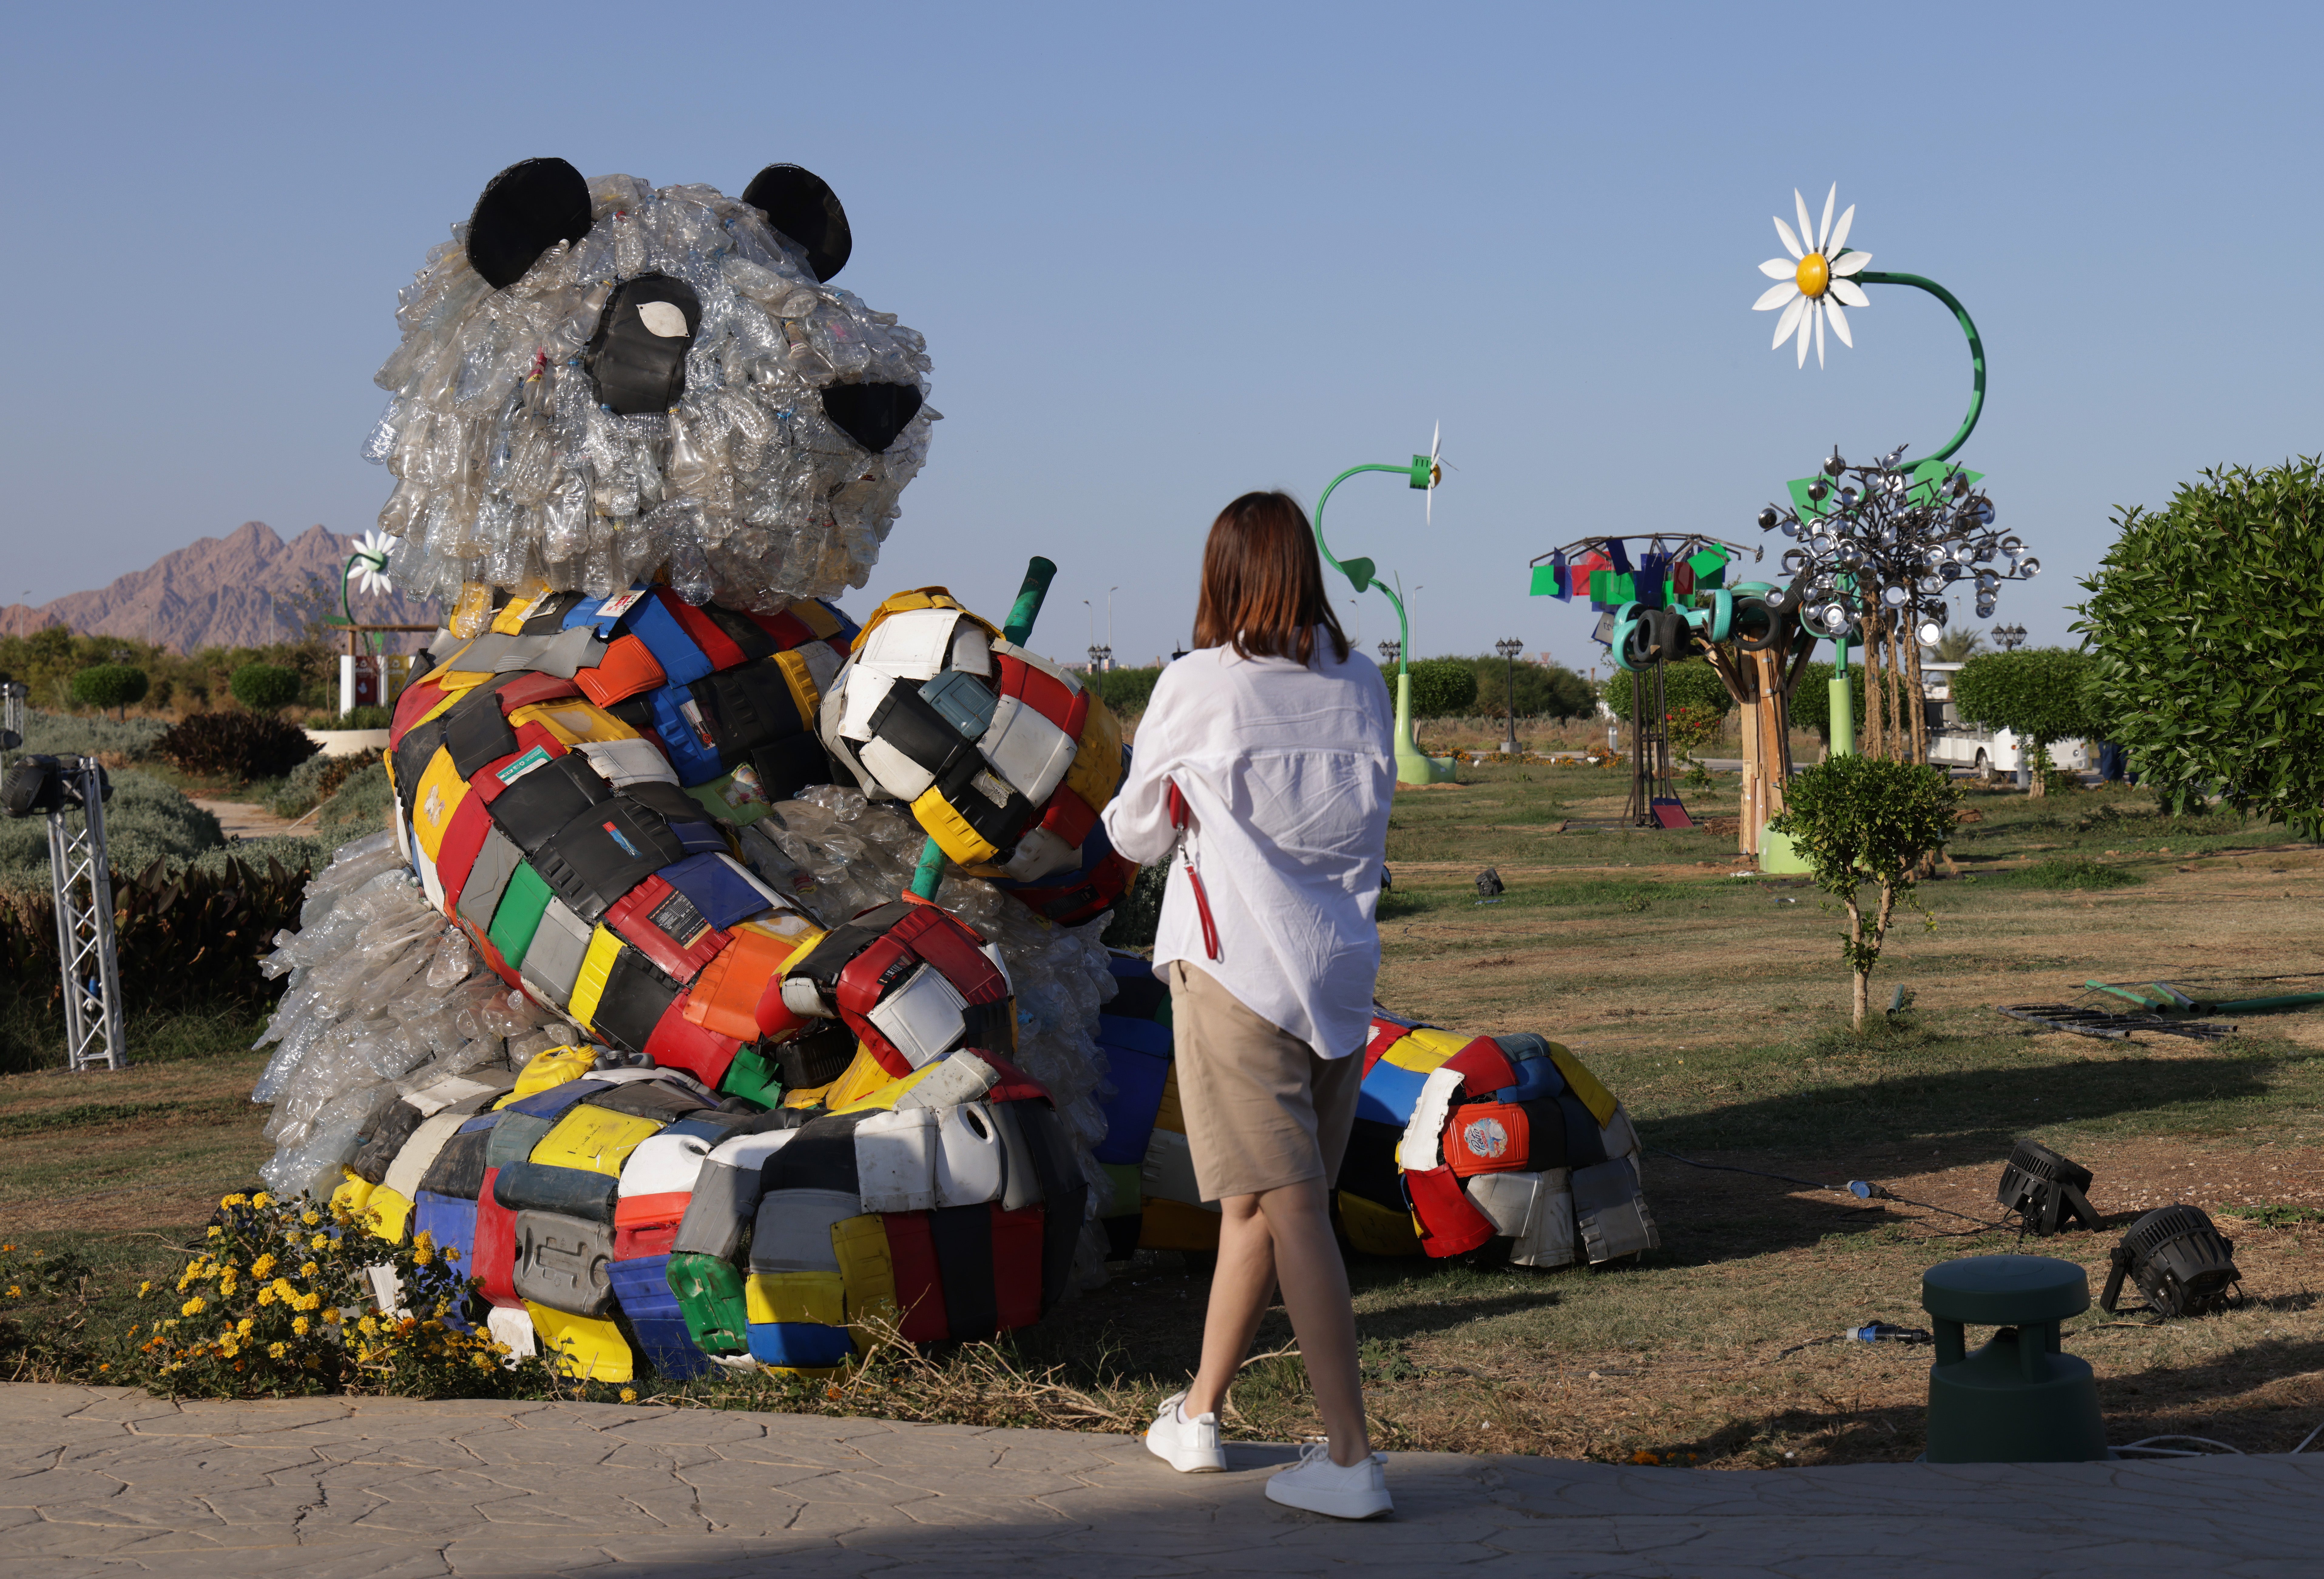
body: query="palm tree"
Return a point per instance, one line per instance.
(1956, 647)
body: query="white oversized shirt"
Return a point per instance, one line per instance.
(1287, 770)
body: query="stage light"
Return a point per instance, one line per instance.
(2045, 1188)
(2182, 1263)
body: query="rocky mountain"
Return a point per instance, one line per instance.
(245, 589)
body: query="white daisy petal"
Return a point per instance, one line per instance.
(1840, 232)
(1839, 324)
(1851, 264)
(1807, 326)
(1850, 292)
(1774, 296)
(1780, 269)
(1807, 225)
(1823, 231)
(1789, 321)
(1791, 242)
(1819, 321)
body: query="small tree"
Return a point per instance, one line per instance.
(2204, 616)
(2041, 694)
(265, 687)
(1443, 687)
(1543, 690)
(1810, 706)
(1862, 819)
(1692, 685)
(112, 686)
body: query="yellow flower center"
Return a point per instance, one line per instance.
(1813, 275)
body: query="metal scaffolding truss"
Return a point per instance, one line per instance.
(84, 904)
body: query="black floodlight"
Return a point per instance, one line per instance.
(36, 785)
(2179, 1261)
(1489, 883)
(2045, 1190)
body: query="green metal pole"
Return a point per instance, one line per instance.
(1843, 704)
(1976, 348)
(928, 875)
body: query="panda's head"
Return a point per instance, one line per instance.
(600, 379)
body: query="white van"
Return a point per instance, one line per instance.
(1954, 744)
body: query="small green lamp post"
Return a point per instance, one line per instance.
(1411, 766)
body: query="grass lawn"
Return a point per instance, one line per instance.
(1715, 1006)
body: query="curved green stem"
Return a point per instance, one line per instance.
(1358, 572)
(1976, 348)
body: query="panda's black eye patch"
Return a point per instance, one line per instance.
(637, 357)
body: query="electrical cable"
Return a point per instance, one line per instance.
(2146, 1444)
(1862, 1189)
(2311, 1436)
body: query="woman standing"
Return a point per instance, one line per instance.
(1277, 741)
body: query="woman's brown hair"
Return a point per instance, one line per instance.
(1263, 583)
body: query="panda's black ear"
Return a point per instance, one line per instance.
(803, 206)
(525, 210)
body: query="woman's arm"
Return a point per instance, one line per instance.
(1137, 819)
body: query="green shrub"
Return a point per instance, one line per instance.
(60, 734)
(1543, 690)
(1125, 691)
(361, 804)
(316, 780)
(1691, 683)
(1810, 706)
(363, 718)
(1442, 687)
(265, 687)
(112, 686)
(145, 820)
(239, 746)
(2042, 693)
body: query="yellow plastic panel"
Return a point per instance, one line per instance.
(951, 830)
(550, 1067)
(815, 1296)
(351, 1195)
(1598, 1100)
(437, 795)
(586, 1347)
(389, 1211)
(1171, 1224)
(1424, 1050)
(589, 987)
(570, 721)
(1375, 1230)
(596, 1138)
(869, 1273)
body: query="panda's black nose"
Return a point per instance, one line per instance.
(872, 415)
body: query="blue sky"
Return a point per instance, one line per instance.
(1162, 255)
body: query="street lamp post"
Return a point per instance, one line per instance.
(2009, 637)
(1390, 650)
(1508, 650)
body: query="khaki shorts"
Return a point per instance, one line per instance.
(1262, 1111)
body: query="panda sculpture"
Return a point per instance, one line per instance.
(632, 1005)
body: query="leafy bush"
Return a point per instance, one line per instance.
(112, 686)
(316, 780)
(61, 734)
(361, 804)
(2043, 695)
(1691, 683)
(265, 687)
(280, 1301)
(1860, 820)
(363, 718)
(1125, 691)
(239, 746)
(1442, 687)
(2203, 615)
(145, 820)
(1543, 690)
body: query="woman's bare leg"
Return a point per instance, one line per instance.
(1315, 1294)
(1242, 1286)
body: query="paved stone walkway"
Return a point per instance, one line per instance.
(107, 1481)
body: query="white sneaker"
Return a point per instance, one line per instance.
(1356, 1490)
(1187, 1444)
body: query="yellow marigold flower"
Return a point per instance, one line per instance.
(265, 1295)
(15, 1291)
(299, 1326)
(276, 1351)
(423, 1240)
(244, 1326)
(451, 1252)
(310, 1219)
(482, 1363)
(145, 1287)
(226, 1288)
(228, 1347)
(235, 1199)
(262, 1200)
(629, 1395)
(192, 1306)
(310, 1270)
(216, 1232)
(333, 1318)
(262, 1265)
(367, 1326)
(309, 1302)
(320, 1241)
